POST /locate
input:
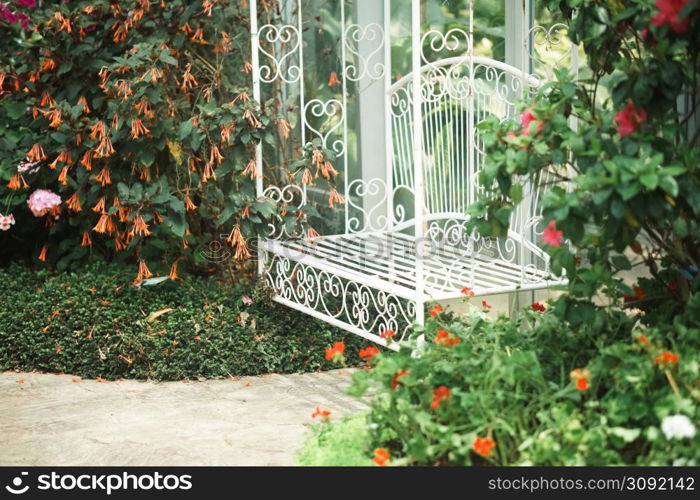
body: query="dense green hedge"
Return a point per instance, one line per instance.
(94, 323)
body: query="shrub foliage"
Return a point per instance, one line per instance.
(93, 323)
(138, 115)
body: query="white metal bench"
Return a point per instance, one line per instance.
(405, 242)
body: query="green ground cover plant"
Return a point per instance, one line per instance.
(93, 323)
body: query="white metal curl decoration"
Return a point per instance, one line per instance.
(288, 39)
(354, 304)
(542, 40)
(290, 194)
(364, 66)
(433, 87)
(450, 41)
(401, 102)
(399, 211)
(330, 110)
(374, 218)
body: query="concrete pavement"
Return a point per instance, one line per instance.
(63, 420)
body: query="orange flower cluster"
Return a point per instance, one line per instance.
(439, 394)
(443, 338)
(336, 353)
(251, 169)
(581, 379)
(73, 203)
(36, 153)
(396, 379)
(138, 129)
(436, 310)
(667, 359)
(483, 445)
(381, 457)
(238, 243)
(144, 272)
(368, 352)
(17, 182)
(388, 334)
(335, 198)
(324, 415)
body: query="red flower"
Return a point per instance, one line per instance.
(536, 306)
(324, 414)
(526, 118)
(396, 378)
(638, 295)
(467, 291)
(439, 394)
(483, 445)
(437, 309)
(629, 119)
(369, 352)
(486, 305)
(669, 10)
(552, 236)
(381, 457)
(443, 338)
(336, 352)
(582, 384)
(580, 378)
(388, 334)
(642, 339)
(667, 358)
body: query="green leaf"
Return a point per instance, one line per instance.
(123, 191)
(185, 129)
(669, 185)
(147, 157)
(176, 221)
(265, 208)
(167, 58)
(516, 193)
(649, 180)
(621, 262)
(14, 110)
(225, 215)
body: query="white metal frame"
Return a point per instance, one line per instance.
(382, 270)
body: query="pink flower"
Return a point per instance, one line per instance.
(43, 200)
(526, 118)
(629, 119)
(669, 10)
(247, 300)
(552, 236)
(12, 17)
(7, 15)
(23, 20)
(6, 221)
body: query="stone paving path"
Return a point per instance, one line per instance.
(63, 420)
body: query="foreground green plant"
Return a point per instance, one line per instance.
(623, 175)
(337, 444)
(94, 323)
(535, 391)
